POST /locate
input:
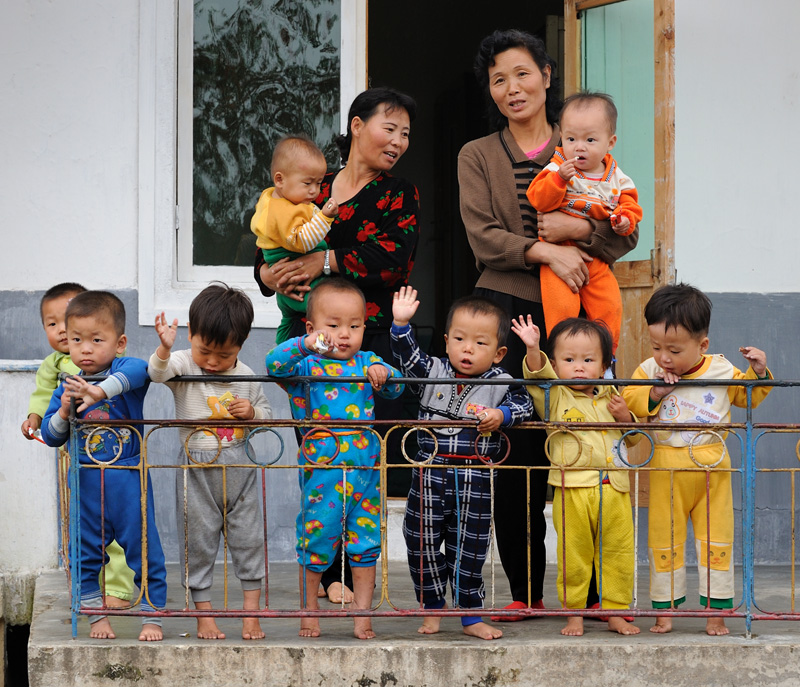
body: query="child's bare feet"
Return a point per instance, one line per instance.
(321, 593)
(622, 626)
(483, 631)
(151, 633)
(207, 628)
(251, 629)
(662, 626)
(309, 580)
(362, 628)
(430, 624)
(574, 627)
(335, 593)
(716, 626)
(101, 630)
(309, 627)
(115, 602)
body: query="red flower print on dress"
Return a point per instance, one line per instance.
(388, 246)
(373, 311)
(397, 203)
(346, 212)
(383, 203)
(407, 221)
(366, 231)
(390, 277)
(354, 266)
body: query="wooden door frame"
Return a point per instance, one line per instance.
(662, 259)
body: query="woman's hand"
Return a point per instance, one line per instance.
(557, 226)
(568, 262)
(291, 277)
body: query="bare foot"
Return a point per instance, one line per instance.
(151, 633)
(362, 628)
(716, 626)
(309, 627)
(662, 626)
(574, 627)
(430, 624)
(101, 630)
(251, 629)
(483, 631)
(622, 626)
(321, 594)
(116, 602)
(335, 593)
(207, 629)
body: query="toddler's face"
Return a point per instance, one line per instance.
(471, 342)
(94, 343)
(341, 315)
(676, 350)
(54, 313)
(212, 357)
(300, 183)
(579, 356)
(586, 134)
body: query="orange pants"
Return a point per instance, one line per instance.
(600, 298)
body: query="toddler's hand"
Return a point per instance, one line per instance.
(619, 409)
(620, 224)
(527, 331)
(567, 170)
(490, 419)
(85, 395)
(166, 333)
(31, 424)
(404, 305)
(377, 375)
(241, 409)
(331, 208)
(659, 392)
(319, 342)
(757, 359)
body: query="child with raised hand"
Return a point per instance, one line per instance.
(584, 180)
(116, 578)
(220, 318)
(581, 350)
(335, 325)
(95, 325)
(457, 494)
(678, 317)
(286, 221)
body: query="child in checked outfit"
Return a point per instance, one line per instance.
(95, 322)
(332, 347)
(581, 349)
(678, 318)
(286, 222)
(583, 180)
(452, 506)
(219, 323)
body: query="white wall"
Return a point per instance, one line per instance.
(737, 82)
(68, 132)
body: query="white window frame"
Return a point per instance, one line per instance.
(161, 164)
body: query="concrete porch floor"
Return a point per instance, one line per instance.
(530, 653)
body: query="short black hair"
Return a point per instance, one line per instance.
(333, 284)
(68, 288)
(292, 149)
(101, 305)
(579, 325)
(478, 305)
(583, 99)
(221, 314)
(680, 305)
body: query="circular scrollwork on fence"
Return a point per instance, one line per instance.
(721, 440)
(188, 451)
(630, 432)
(435, 446)
(563, 430)
(304, 444)
(87, 441)
(486, 460)
(248, 449)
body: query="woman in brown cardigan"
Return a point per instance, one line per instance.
(504, 232)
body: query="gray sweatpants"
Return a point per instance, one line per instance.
(210, 513)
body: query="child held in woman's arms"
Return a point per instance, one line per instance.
(583, 180)
(678, 319)
(581, 350)
(453, 506)
(220, 318)
(116, 578)
(110, 498)
(286, 221)
(332, 348)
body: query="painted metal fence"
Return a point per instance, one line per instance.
(741, 436)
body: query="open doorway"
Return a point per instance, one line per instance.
(426, 49)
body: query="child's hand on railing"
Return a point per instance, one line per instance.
(490, 420)
(377, 375)
(757, 359)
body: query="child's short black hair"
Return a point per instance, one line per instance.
(103, 305)
(579, 325)
(66, 289)
(478, 305)
(583, 99)
(221, 314)
(332, 284)
(679, 305)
